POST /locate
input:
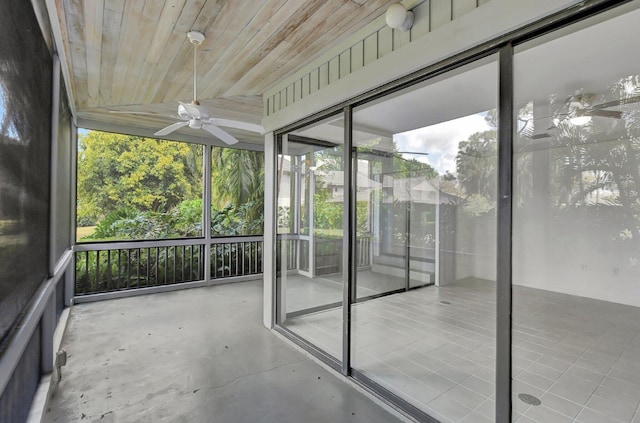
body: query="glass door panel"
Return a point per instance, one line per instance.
(576, 223)
(423, 323)
(310, 235)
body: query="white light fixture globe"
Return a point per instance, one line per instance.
(398, 17)
(580, 120)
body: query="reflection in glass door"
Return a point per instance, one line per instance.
(423, 324)
(576, 224)
(310, 235)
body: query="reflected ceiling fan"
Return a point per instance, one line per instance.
(581, 106)
(196, 116)
(578, 110)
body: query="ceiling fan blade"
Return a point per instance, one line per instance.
(604, 113)
(616, 103)
(192, 109)
(251, 127)
(169, 129)
(219, 133)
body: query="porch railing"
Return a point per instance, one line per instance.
(237, 256)
(118, 266)
(328, 253)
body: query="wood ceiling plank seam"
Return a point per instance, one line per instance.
(128, 30)
(232, 18)
(378, 8)
(113, 15)
(175, 44)
(371, 10)
(317, 23)
(179, 65)
(254, 76)
(182, 72)
(266, 22)
(164, 28)
(254, 53)
(153, 69)
(93, 21)
(207, 13)
(64, 34)
(255, 61)
(142, 41)
(74, 16)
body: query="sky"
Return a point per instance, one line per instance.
(11, 131)
(440, 141)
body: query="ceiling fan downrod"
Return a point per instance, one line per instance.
(196, 38)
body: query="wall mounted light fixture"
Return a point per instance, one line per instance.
(398, 17)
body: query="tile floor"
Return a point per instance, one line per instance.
(435, 346)
(304, 293)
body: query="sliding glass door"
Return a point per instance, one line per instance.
(423, 324)
(576, 234)
(465, 299)
(310, 234)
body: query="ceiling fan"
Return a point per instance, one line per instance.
(581, 105)
(578, 110)
(196, 116)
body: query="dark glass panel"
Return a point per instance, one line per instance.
(25, 129)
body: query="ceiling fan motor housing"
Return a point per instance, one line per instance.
(195, 123)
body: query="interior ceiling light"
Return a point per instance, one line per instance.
(398, 17)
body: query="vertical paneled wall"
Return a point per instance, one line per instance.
(429, 16)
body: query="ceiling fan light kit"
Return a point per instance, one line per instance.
(580, 120)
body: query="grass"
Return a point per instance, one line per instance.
(83, 231)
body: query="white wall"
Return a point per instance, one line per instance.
(575, 250)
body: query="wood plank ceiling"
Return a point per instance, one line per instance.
(133, 55)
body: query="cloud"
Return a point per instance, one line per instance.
(440, 141)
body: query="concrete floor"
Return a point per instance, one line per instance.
(198, 355)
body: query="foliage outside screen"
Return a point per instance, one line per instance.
(141, 188)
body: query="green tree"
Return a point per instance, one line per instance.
(411, 167)
(118, 171)
(476, 165)
(238, 186)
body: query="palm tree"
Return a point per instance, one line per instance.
(238, 180)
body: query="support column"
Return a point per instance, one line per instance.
(269, 243)
(206, 210)
(53, 181)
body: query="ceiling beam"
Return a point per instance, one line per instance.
(148, 133)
